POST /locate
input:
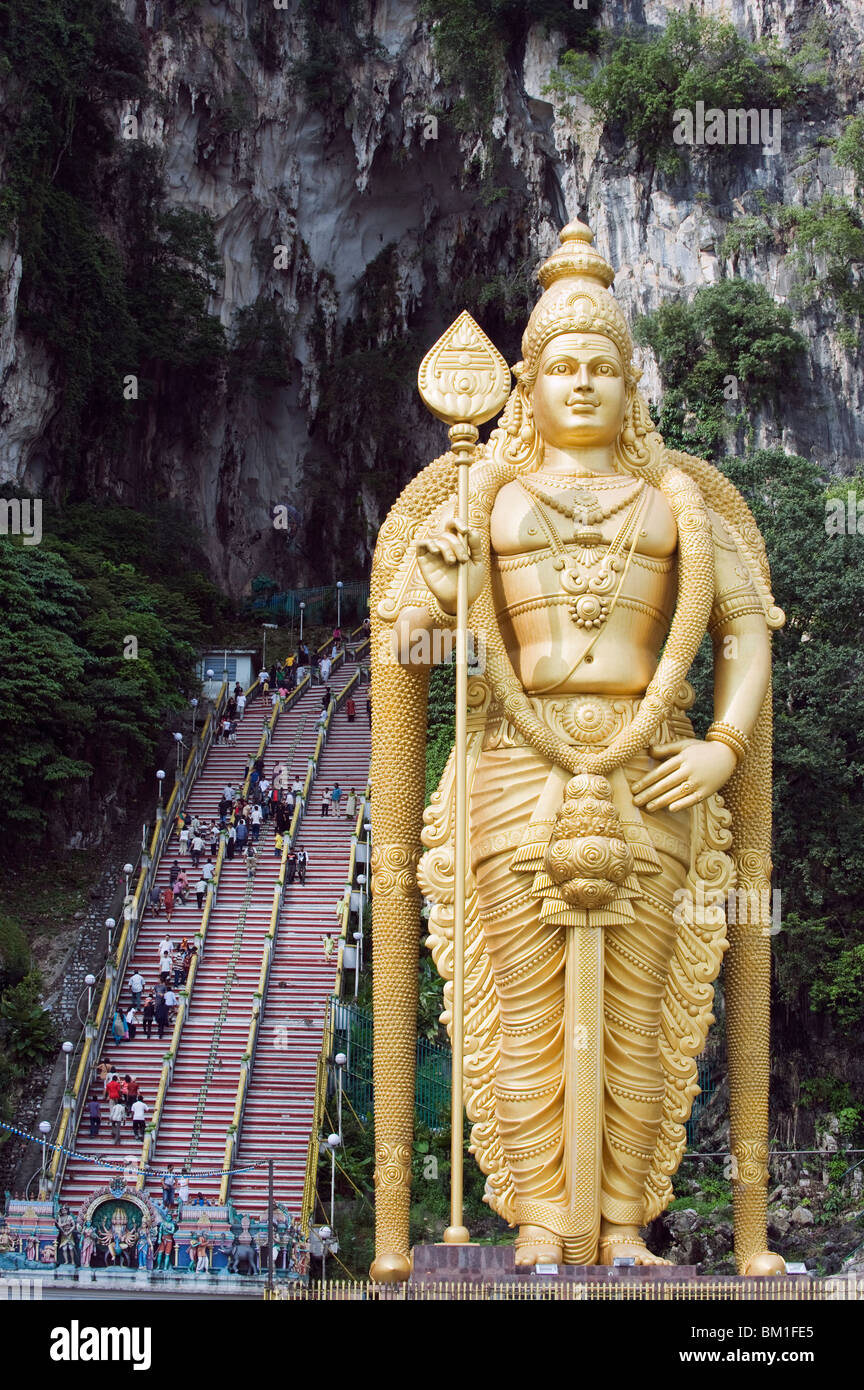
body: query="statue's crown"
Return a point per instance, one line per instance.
(576, 299)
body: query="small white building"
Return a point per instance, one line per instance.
(240, 665)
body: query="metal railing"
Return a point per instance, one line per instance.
(90, 1044)
(311, 1179)
(232, 1140)
(353, 1036)
(185, 995)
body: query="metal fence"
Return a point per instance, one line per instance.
(540, 1289)
(321, 604)
(353, 1036)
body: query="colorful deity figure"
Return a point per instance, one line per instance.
(165, 1248)
(67, 1238)
(88, 1237)
(144, 1246)
(591, 560)
(117, 1238)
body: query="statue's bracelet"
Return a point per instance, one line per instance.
(439, 617)
(733, 738)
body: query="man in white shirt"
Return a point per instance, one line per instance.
(137, 985)
(228, 792)
(166, 946)
(197, 850)
(184, 839)
(207, 871)
(302, 864)
(139, 1115)
(325, 668)
(132, 1022)
(241, 706)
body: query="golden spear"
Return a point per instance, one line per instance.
(464, 381)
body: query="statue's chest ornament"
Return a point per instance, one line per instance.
(594, 591)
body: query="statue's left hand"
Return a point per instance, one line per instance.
(689, 771)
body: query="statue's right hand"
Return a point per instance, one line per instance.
(439, 555)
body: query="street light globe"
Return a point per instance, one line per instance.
(44, 1127)
(160, 776)
(324, 1233)
(178, 738)
(110, 923)
(339, 584)
(209, 675)
(361, 878)
(70, 1047)
(302, 605)
(128, 868)
(332, 1139)
(193, 702)
(358, 936)
(89, 979)
(340, 1059)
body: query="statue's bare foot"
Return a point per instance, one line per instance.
(535, 1245)
(626, 1247)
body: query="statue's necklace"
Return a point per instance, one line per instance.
(593, 598)
(583, 508)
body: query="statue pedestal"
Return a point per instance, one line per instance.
(496, 1264)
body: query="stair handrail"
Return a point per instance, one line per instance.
(232, 1139)
(93, 1037)
(152, 1130)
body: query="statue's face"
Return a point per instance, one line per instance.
(579, 395)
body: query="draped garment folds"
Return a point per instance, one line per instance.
(583, 1025)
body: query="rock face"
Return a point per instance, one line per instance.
(358, 218)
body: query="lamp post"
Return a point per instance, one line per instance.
(160, 778)
(178, 740)
(264, 628)
(324, 1235)
(358, 951)
(333, 1143)
(110, 924)
(339, 603)
(89, 981)
(44, 1130)
(194, 703)
(302, 611)
(68, 1048)
(128, 870)
(341, 1062)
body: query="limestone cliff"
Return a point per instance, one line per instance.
(353, 216)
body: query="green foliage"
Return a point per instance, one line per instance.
(101, 576)
(473, 41)
(29, 1033)
(14, 953)
(262, 357)
(332, 46)
(824, 243)
(112, 284)
(440, 727)
(849, 149)
(647, 77)
(827, 250)
(731, 329)
(818, 720)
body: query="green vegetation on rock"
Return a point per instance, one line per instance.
(730, 346)
(645, 77)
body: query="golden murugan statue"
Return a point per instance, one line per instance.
(600, 850)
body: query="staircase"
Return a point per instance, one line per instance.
(142, 1057)
(280, 1103)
